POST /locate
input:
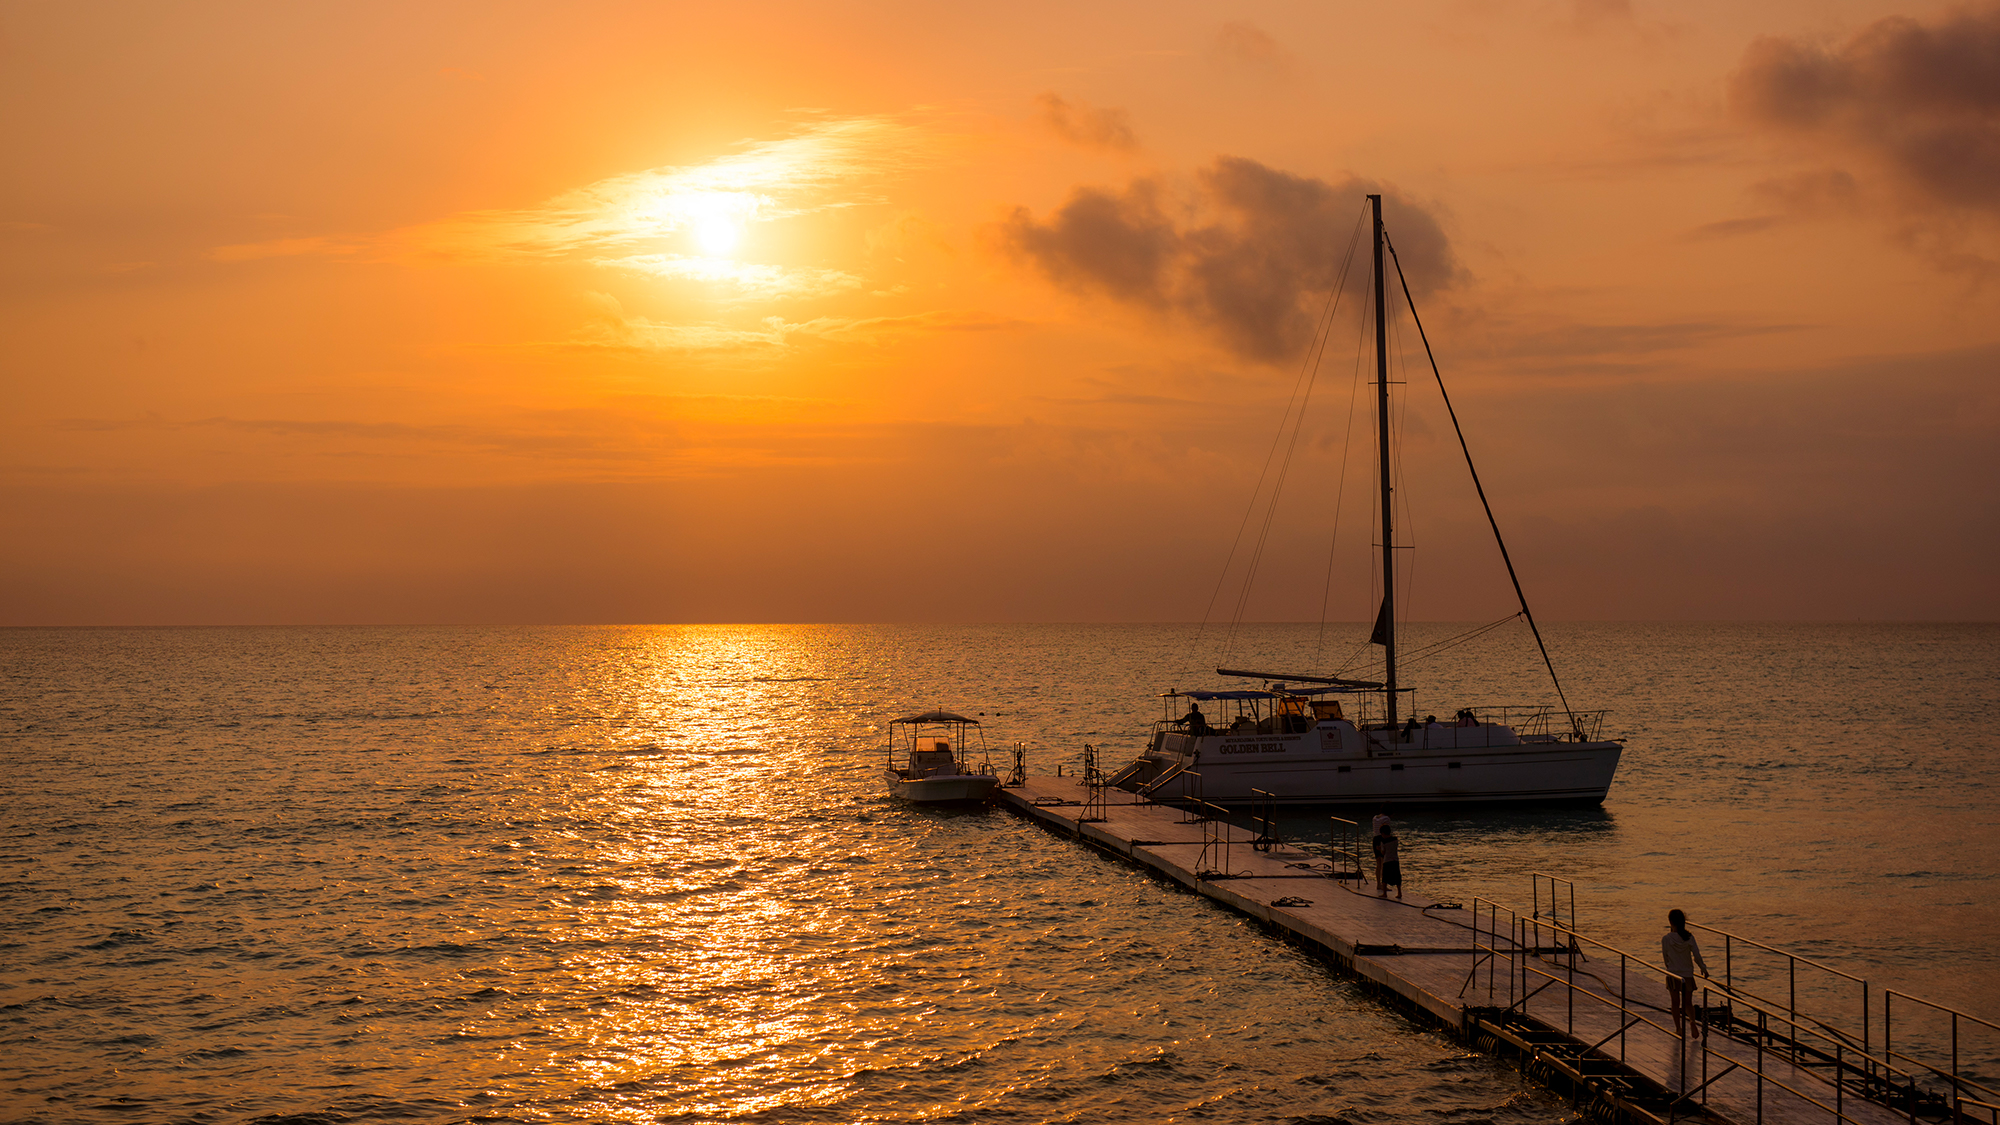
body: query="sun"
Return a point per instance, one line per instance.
(715, 220)
(717, 235)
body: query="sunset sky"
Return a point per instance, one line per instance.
(947, 312)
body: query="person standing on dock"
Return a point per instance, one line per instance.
(1388, 860)
(1681, 954)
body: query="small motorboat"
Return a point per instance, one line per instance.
(930, 762)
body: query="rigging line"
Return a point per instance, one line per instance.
(1278, 486)
(1436, 647)
(1249, 510)
(1297, 423)
(1481, 489)
(1406, 583)
(1315, 351)
(1354, 385)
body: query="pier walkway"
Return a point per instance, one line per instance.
(1577, 1013)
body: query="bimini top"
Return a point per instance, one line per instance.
(1287, 693)
(935, 717)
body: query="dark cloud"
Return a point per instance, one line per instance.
(1240, 45)
(1731, 228)
(1827, 190)
(1921, 99)
(1087, 125)
(1627, 340)
(1244, 256)
(1591, 14)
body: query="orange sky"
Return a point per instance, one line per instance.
(831, 312)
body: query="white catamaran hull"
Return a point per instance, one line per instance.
(1296, 769)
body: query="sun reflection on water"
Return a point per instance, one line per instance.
(651, 874)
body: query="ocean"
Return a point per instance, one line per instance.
(649, 873)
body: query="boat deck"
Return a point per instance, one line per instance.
(1424, 952)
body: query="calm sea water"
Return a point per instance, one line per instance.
(647, 874)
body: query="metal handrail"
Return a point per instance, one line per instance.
(1520, 992)
(1351, 836)
(1216, 838)
(1263, 810)
(1992, 1108)
(1957, 1080)
(1538, 876)
(1838, 1109)
(1793, 961)
(1093, 787)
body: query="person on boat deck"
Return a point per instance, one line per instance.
(1410, 728)
(1431, 723)
(1466, 718)
(1388, 863)
(1681, 954)
(1194, 720)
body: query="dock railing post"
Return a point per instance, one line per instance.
(1792, 999)
(1266, 805)
(1572, 983)
(1624, 998)
(1344, 843)
(1093, 788)
(1762, 1028)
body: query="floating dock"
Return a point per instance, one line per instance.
(1579, 1015)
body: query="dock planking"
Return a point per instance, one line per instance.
(1422, 950)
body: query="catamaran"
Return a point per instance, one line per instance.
(1290, 739)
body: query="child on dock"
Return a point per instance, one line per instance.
(1681, 954)
(1388, 859)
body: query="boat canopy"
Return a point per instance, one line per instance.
(935, 717)
(1288, 693)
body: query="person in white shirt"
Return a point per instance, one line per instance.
(1681, 954)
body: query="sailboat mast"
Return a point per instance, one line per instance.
(1388, 614)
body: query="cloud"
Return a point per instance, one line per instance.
(824, 166)
(1590, 340)
(1240, 257)
(287, 248)
(1731, 228)
(613, 327)
(1243, 46)
(1085, 125)
(1590, 14)
(753, 279)
(1920, 101)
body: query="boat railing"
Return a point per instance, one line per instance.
(1562, 979)
(1539, 722)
